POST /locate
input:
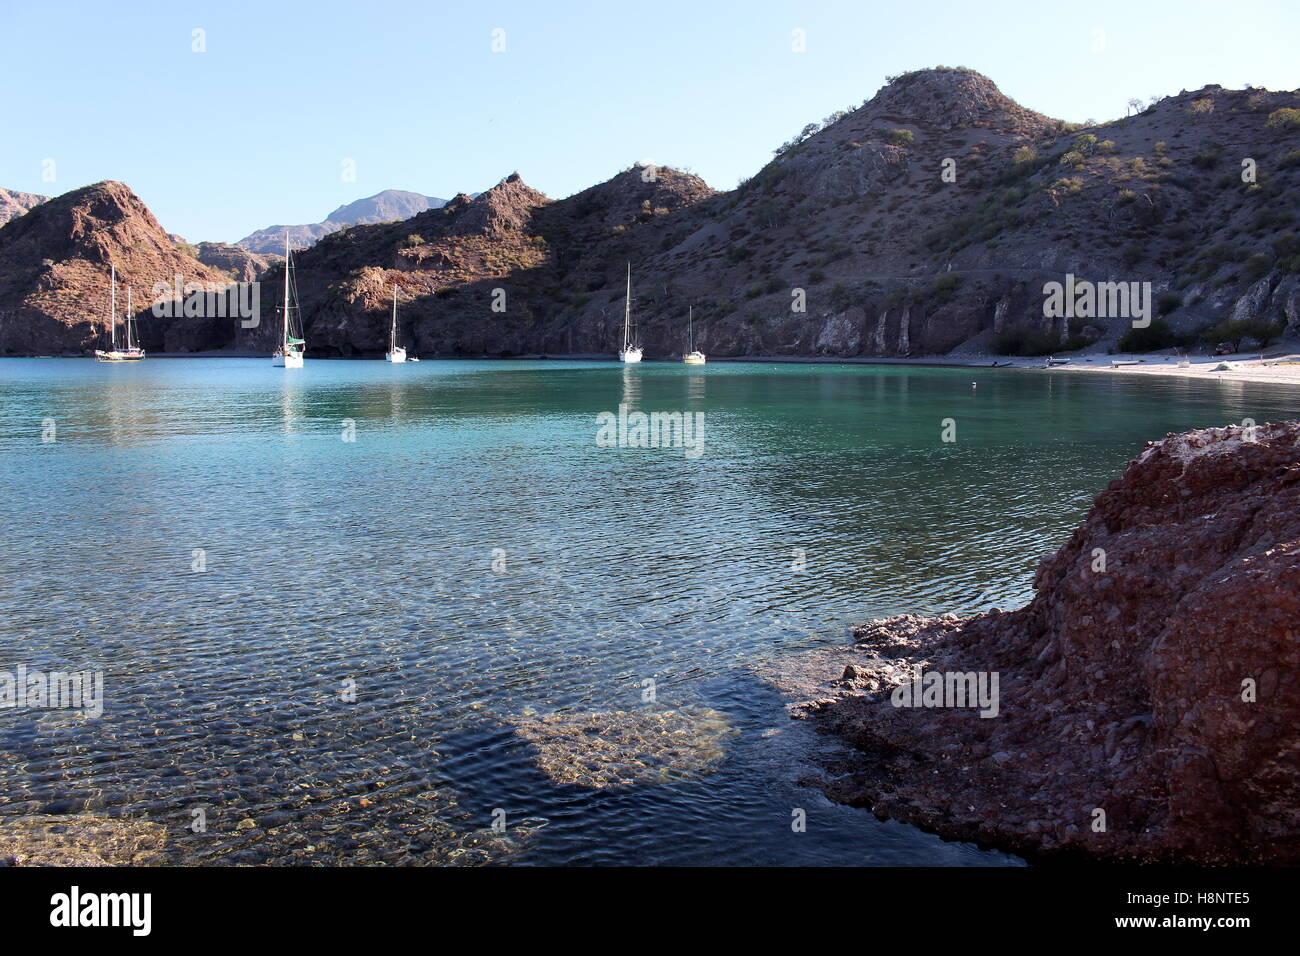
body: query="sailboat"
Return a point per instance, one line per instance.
(130, 352)
(290, 352)
(631, 351)
(694, 356)
(396, 354)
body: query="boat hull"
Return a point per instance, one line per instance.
(397, 356)
(630, 356)
(694, 358)
(287, 360)
(119, 355)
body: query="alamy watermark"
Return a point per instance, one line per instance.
(208, 300)
(653, 430)
(949, 689)
(1081, 299)
(24, 689)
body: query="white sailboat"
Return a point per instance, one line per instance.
(290, 352)
(396, 354)
(693, 356)
(130, 352)
(631, 351)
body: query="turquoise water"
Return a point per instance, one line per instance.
(369, 564)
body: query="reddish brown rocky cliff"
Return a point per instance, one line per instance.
(1153, 677)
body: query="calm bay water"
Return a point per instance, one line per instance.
(334, 565)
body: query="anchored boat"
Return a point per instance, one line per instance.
(129, 352)
(292, 347)
(693, 356)
(631, 351)
(396, 354)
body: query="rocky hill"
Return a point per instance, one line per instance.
(54, 275)
(387, 206)
(14, 204)
(923, 222)
(1146, 706)
(240, 264)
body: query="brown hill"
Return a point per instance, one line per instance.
(925, 221)
(14, 204)
(240, 264)
(893, 258)
(54, 271)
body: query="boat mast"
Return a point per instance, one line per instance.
(284, 336)
(112, 307)
(392, 337)
(128, 318)
(627, 308)
(690, 329)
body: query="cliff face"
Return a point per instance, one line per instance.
(1149, 695)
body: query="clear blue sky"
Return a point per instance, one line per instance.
(254, 130)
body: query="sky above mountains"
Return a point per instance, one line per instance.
(228, 116)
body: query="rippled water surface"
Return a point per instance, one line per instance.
(351, 680)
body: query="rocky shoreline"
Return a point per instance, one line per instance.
(1147, 706)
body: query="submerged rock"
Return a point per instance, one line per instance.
(1147, 704)
(623, 748)
(77, 840)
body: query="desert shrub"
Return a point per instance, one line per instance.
(1072, 158)
(1257, 266)
(1236, 331)
(1287, 244)
(1158, 335)
(1085, 142)
(1106, 146)
(1024, 341)
(1291, 160)
(1132, 254)
(1166, 302)
(945, 285)
(1208, 157)
(840, 296)
(1138, 164)
(1070, 186)
(900, 137)
(774, 285)
(1024, 154)
(1201, 107)
(1284, 119)
(412, 240)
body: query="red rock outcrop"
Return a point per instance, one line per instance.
(1148, 696)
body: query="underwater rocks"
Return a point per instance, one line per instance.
(1148, 706)
(76, 840)
(623, 748)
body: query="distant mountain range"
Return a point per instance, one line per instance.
(926, 221)
(386, 206)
